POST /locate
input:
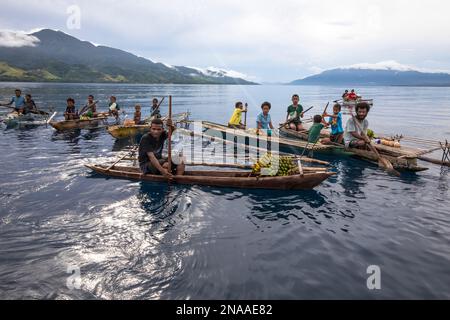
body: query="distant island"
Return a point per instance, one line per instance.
(387, 74)
(59, 57)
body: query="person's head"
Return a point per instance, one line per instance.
(112, 99)
(156, 128)
(28, 97)
(18, 92)
(137, 108)
(353, 90)
(91, 98)
(337, 108)
(239, 105)
(155, 102)
(70, 102)
(362, 109)
(317, 118)
(295, 99)
(265, 107)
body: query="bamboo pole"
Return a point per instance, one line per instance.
(169, 149)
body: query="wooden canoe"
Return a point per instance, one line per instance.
(78, 124)
(217, 178)
(404, 158)
(251, 135)
(123, 132)
(14, 119)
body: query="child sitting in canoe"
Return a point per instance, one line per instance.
(335, 121)
(113, 107)
(30, 106)
(71, 113)
(264, 121)
(316, 128)
(236, 119)
(150, 152)
(90, 108)
(137, 114)
(294, 114)
(155, 112)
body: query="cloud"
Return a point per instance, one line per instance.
(16, 39)
(275, 41)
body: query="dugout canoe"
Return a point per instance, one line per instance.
(218, 178)
(403, 158)
(212, 129)
(66, 125)
(123, 131)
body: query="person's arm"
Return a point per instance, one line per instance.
(158, 166)
(8, 104)
(360, 136)
(271, 125)
(169, 124)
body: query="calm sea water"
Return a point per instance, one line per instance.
(132, 240)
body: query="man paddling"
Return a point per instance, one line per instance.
(150, 151)
(353, 136)
(154, 111)
(18, 100)
(294, 114)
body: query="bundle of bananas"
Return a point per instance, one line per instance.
(274, 165)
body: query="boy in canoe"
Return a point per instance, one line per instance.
(150, 151)
(236, 119)
(137, 114)
(30, 106)
(294, 114)
(90, 108)
(353, 136)
(264, 121)
(114, 108)
(18, 100)
(71, 112)
(154, 111)
(335, 121)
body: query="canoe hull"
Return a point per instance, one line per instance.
(77, 124)
(124, 132)
(228, 179)
(392, 154)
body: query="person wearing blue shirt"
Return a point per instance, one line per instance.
(335, 121)
(263, 121)
(18, 100)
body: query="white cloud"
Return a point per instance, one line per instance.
(275, 41)
(16, 39)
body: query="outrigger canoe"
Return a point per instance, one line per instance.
(229, 179)
(230, 133)
(403, 158)
(14, 119)
(78, 123)
(124, 131)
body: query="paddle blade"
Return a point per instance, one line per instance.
(387, 165)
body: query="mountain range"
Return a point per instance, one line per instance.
(388, 73)
(59, 57)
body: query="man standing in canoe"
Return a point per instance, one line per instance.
(150, 151)
(18, 100)
(90, 108)
(353, 136)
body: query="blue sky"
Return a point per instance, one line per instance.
(270, 41)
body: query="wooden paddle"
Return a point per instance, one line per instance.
(245, 118)
(121, 158)
(169, 147)
(382, 161)
(290, 121)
